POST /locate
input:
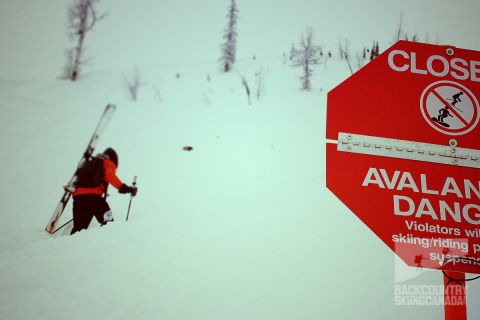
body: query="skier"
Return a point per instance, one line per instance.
(456, 98)
(91, 201)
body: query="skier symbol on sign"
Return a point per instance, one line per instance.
(443, 113)
(457, 117)
(456, 98)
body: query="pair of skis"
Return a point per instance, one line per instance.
(70, 187)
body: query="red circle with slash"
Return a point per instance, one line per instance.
(447, 114)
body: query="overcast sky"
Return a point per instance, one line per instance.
(150, 32)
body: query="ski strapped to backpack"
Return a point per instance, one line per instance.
(87, 155)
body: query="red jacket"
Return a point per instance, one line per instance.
(110, 176)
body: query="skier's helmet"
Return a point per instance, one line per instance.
(112, 155)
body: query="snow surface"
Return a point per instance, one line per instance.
(242, 227)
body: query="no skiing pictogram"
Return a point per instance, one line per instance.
(449, 107)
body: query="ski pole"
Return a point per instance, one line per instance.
(131, 196)
(63, 225)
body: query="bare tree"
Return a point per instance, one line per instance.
(375, 51)
(399, 32)
(292, 52)
(82, 17)
(362, 58)
(229, 47)
(68, 67)
(247, 89)
(344, 52)
(306, 56)
(328, 56)
(260, 84)
(133, 83)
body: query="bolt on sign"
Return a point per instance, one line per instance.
(403, 152)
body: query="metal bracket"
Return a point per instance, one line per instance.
(403, 149)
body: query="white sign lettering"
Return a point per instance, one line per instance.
(434, 209)
(435, 65)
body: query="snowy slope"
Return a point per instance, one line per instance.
(242, 227)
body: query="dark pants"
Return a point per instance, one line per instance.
(87, 206)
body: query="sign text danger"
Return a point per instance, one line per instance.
(437, 209)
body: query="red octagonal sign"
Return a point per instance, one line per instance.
(403, 141)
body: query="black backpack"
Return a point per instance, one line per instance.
(90, 174)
